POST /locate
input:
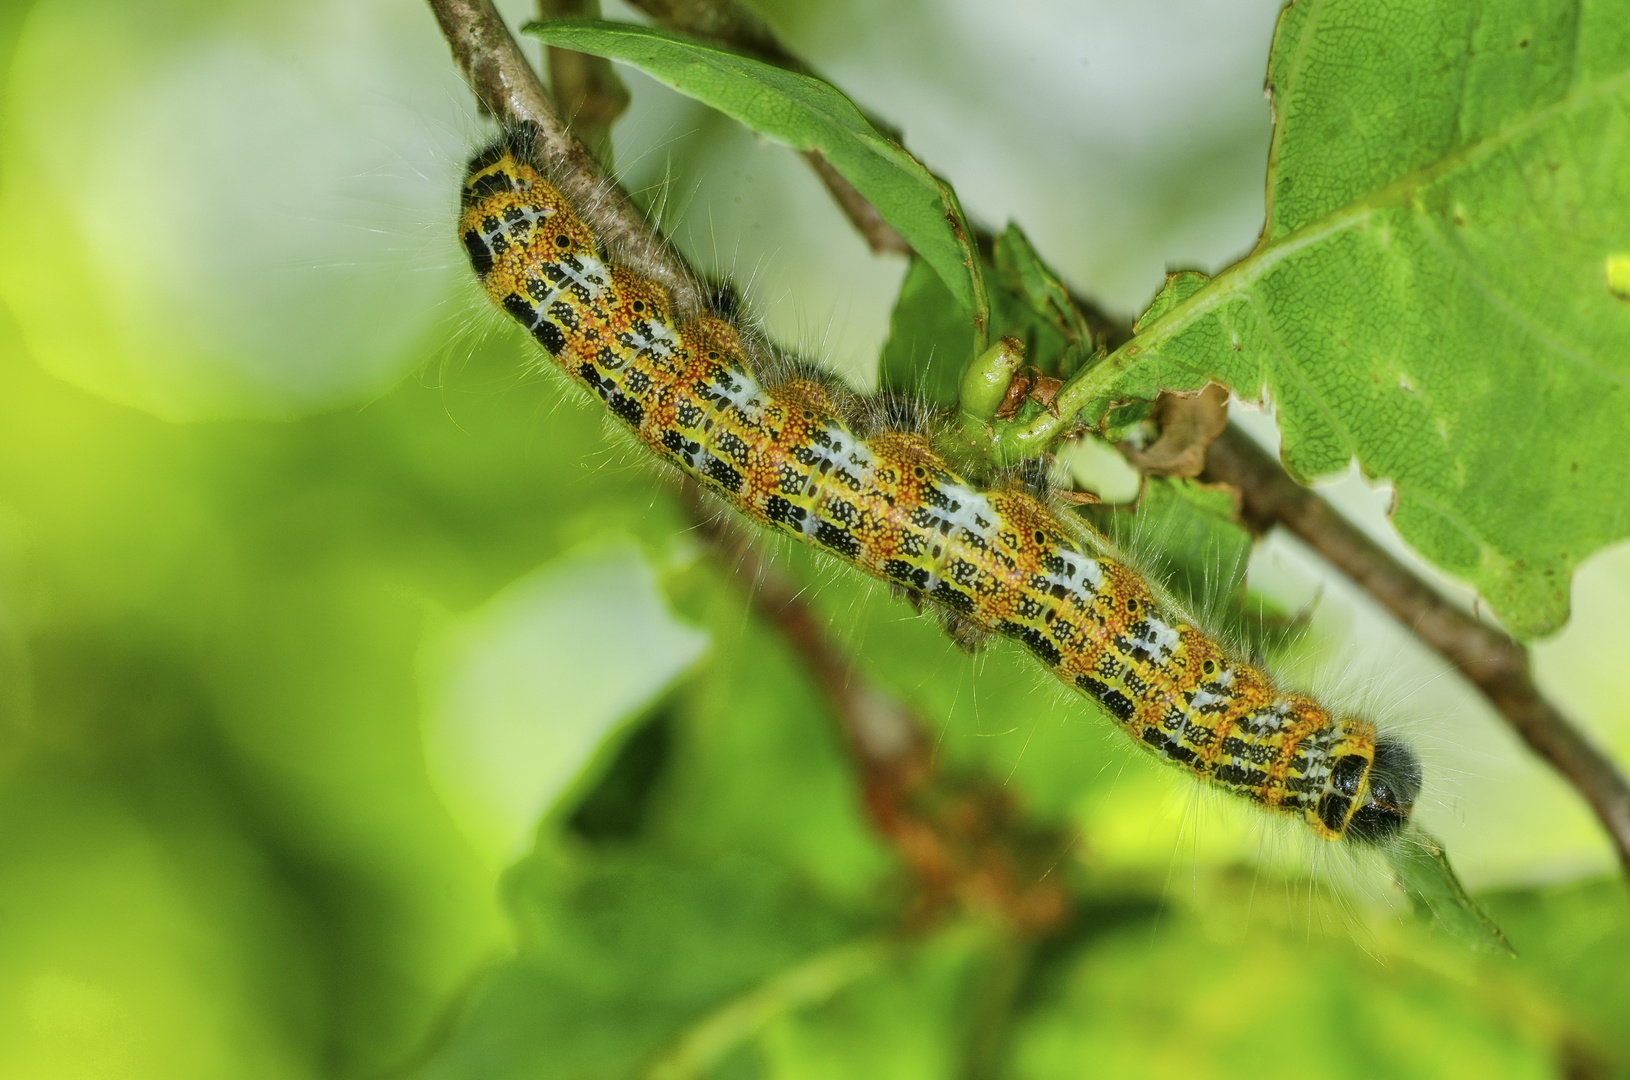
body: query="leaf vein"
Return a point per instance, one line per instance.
(1505, 306)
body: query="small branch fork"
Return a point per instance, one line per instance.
(1498, 666)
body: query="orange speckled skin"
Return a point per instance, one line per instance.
(1000, 559)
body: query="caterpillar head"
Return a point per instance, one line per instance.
(1395, 781)
(1371, 787)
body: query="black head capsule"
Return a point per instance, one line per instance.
(1395, 781)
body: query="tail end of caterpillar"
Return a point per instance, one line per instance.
(509, 217)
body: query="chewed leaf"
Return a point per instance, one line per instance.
(805, 114)
(1443, 264)
(1423, 871)
(1180, 285)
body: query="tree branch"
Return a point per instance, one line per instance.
(1490, 661)
(726, 22)
(590, 94)
(506, 87)
(879, 235)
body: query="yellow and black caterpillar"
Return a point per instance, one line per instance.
(998, 559)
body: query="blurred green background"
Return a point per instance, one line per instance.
(315, 601)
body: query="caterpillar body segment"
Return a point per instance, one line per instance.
(997, 560)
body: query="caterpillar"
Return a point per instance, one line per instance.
(991, 559)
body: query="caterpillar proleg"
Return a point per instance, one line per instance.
(997, 559)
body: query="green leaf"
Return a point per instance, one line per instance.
(1423, 871)
(1133, 1001)
(928, 343)
(1022, 271)
(805, 114)
(1179, 287)
(628, 955)
(1448, 191)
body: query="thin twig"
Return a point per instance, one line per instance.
(883, 732)
(1491, 661)
(1496, 665)
(590, 94)
(507, 88)
(880, 236)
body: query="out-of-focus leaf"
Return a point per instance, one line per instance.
(743, 893)
(703, 1045)
(1246, 997)
(523, 689)
(921, 1017)
(627, 953)
(758, 763)
(143, 931)
(291, 573)
(1423, 871)
(263, 252)
(1448, 188)
(1574, 939)
(805, 114)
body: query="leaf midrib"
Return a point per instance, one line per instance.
(1243, 275)
(1096, 385)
